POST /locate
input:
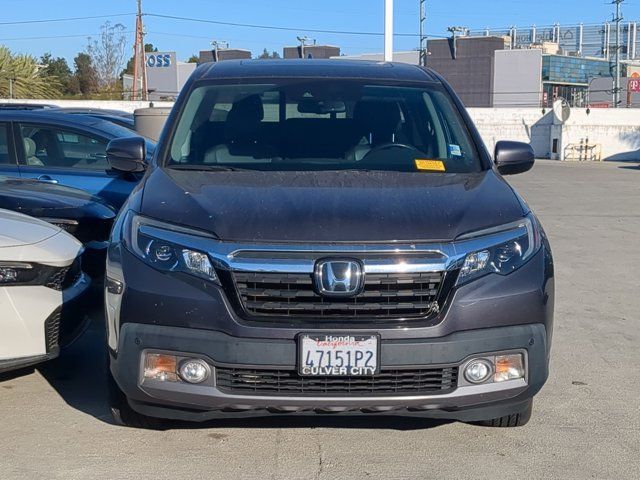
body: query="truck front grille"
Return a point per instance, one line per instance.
(287, 382)
(392, 295)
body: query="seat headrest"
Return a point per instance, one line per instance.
(243, 121)
(29, 147)
(377, 117)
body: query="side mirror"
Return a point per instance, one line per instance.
(514, 157)
(127, 154)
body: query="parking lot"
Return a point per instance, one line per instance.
(586, 424)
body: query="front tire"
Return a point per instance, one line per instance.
(518, 419)
(122, 413)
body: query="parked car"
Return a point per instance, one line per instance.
(26, 106)
(341, 243)
(55, 147)
(119, 117)
(86, 217)
(42, 290)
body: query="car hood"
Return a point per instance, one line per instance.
(18, 230)
(330, 206)
(40, 199)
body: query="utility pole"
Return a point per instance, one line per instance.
(388, 30)
(617, 90)
(454, 38)
(217, 46)
(423, 34)
(139, 68)
(303, 43)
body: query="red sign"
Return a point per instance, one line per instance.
(634, 85)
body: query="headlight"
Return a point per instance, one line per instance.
(16, 273)
(166, 247)
(518, 242)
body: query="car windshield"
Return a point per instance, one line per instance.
(313, 125)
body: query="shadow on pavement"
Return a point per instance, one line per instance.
(79, 378)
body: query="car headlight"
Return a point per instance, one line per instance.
(17, 273)
(167, 247)
(516, 243)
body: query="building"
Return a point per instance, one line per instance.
(411, 56)
(223, 54)
(593, 40)
(311, 51)
(487, 72)
(165, 76)
(467, 63)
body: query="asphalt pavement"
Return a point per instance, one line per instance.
(54, 422)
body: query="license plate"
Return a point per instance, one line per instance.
(338, 355)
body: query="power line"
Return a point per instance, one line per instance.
(48, 37)
(66, 19)
(287, 29)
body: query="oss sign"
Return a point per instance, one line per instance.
(159, 60)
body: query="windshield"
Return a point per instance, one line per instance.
(300, 125)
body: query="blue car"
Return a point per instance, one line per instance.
(70, 150)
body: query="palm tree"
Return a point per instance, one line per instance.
(20, 76)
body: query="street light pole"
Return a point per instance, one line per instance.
(616, 85)
(388, 30)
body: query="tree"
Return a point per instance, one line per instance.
(107, 54)
(20, 77)
(59, 68)
(266, 56)
(85, 78)
(148, 47)
(194, 59)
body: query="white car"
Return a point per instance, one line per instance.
(42, 290)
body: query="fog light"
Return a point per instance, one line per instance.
(508, 367)
(161, 367)
(478, 370)
(194, 371)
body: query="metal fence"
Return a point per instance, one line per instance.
(589, 40)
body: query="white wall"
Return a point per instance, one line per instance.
(520, 124)
(617, 131)
(125, 105)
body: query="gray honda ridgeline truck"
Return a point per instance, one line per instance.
(325, 237)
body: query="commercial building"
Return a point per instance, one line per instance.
(220, 54)
(468, 65)
(411, 56)
(489, 72)
(165, 76)
(585, 40)
(311, 51)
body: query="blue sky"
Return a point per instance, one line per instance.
(354, 15)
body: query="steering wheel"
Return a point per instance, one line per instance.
(387, 146)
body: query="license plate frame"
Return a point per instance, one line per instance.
(373, 340)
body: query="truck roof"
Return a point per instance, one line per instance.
(311, 68)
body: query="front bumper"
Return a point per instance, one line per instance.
(37, 340)
(202, 402)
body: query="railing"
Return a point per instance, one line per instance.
(583, 152)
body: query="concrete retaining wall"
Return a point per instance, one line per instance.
(124, 105)
(520, 124)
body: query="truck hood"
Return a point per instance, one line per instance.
(39, 199)
(357, 207)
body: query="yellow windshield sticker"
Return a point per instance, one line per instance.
(430, 165)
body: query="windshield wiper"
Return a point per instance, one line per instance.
(207, 168)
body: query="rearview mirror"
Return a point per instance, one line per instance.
(321, 107)
(514, 157)
(127, 154)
